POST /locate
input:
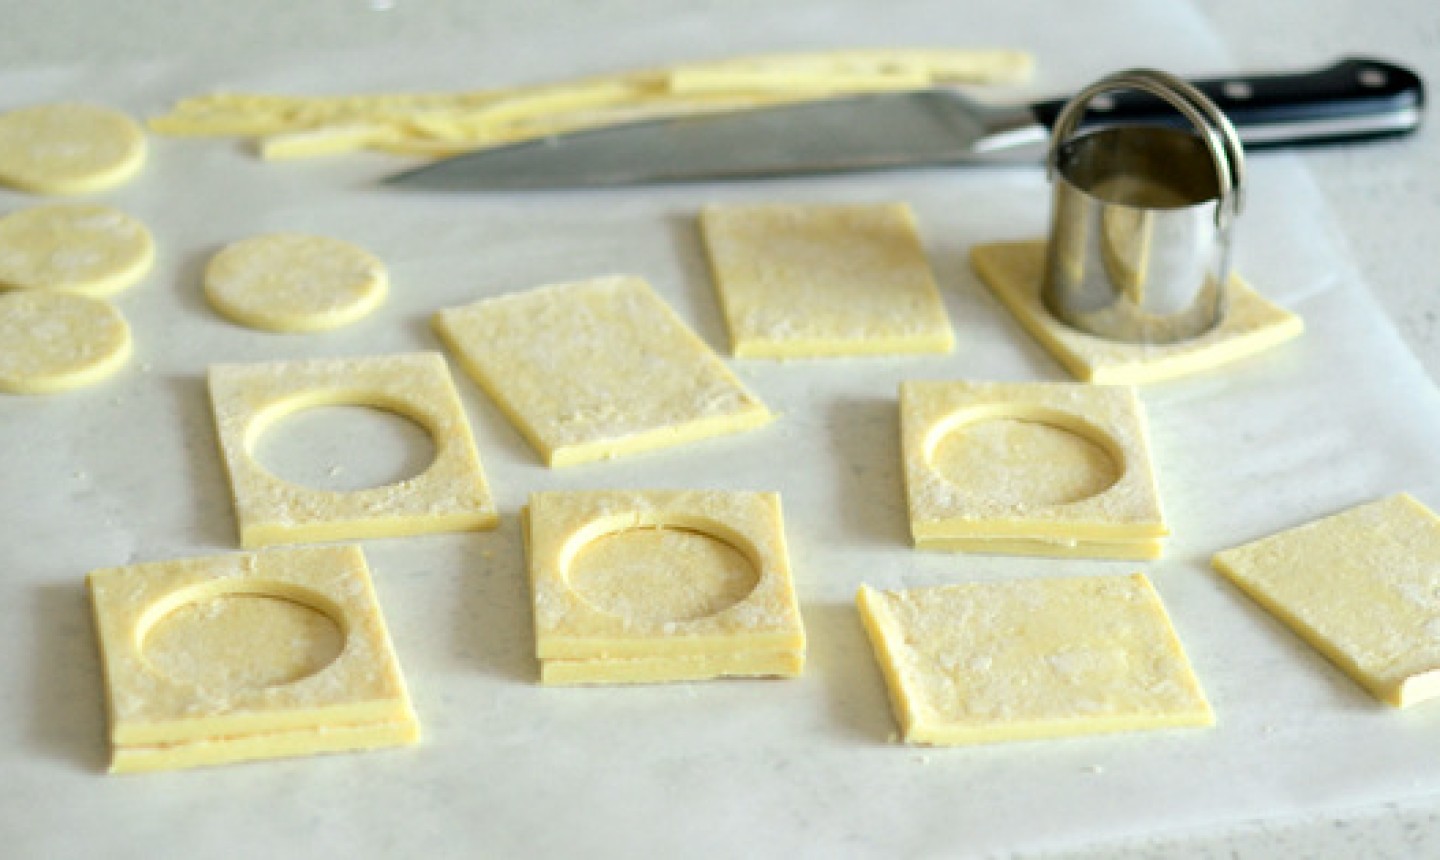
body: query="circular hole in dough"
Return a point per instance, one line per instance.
(345, 448)
(286, 282)
(55, 341)
(76, 247)
(241, 641)
(1021, 459)
(661, 574)
(68, 148)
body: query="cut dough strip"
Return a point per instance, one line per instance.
(437, 124)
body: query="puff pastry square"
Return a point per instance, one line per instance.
(1037, 658)
(1362, 587)
(1252, 324)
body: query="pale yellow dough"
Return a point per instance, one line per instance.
(1360, 587)
(76, 247)
(57, 341)
(1132, 550)
(597, 369)
(269, 745)
(1014, 272)
(68, 148)
(800, 281)
(288, 282)
(450, 495)
(1029, 465)
(666, 669)
(446, 123)
(246, 656)
(1025, 659)
(692, 583)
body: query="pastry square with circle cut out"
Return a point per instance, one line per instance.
(245, 646)
(1034, 658)
(597, 369)
(1063, 463)
(660, 573)
(1362, 587)
(1014, 272)
(808, 280)
(450, 495)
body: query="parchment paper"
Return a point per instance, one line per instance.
(127, 472)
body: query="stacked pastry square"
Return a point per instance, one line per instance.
(1047, 469)
(653, 586)
(249, 656)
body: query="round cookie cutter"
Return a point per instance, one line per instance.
(1142, 216)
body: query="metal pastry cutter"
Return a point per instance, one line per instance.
(1142, 218)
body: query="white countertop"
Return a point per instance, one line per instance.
(1384, 197)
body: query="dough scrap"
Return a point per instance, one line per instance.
(446, 123)
(1027, 659)
(655, 610)
(450, 495)
(597, 369)
(799, 281)
(1360, 587)
(287, 282)
(1029, 466)
(57, 341)
(165, 710)
(1014, 272)
(76, 247)
(68, 148)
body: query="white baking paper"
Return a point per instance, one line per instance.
(127, 472)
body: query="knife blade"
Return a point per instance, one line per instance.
(1353, 99)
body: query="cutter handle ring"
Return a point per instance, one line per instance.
(1214, 128)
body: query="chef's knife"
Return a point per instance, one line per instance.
(1354, 99)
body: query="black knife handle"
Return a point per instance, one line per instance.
(1355, 99)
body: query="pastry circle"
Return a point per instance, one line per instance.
(287, 282)
(1022, 460)
(661, 574)
(55, 341)
(73, 247)
(68, 148)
